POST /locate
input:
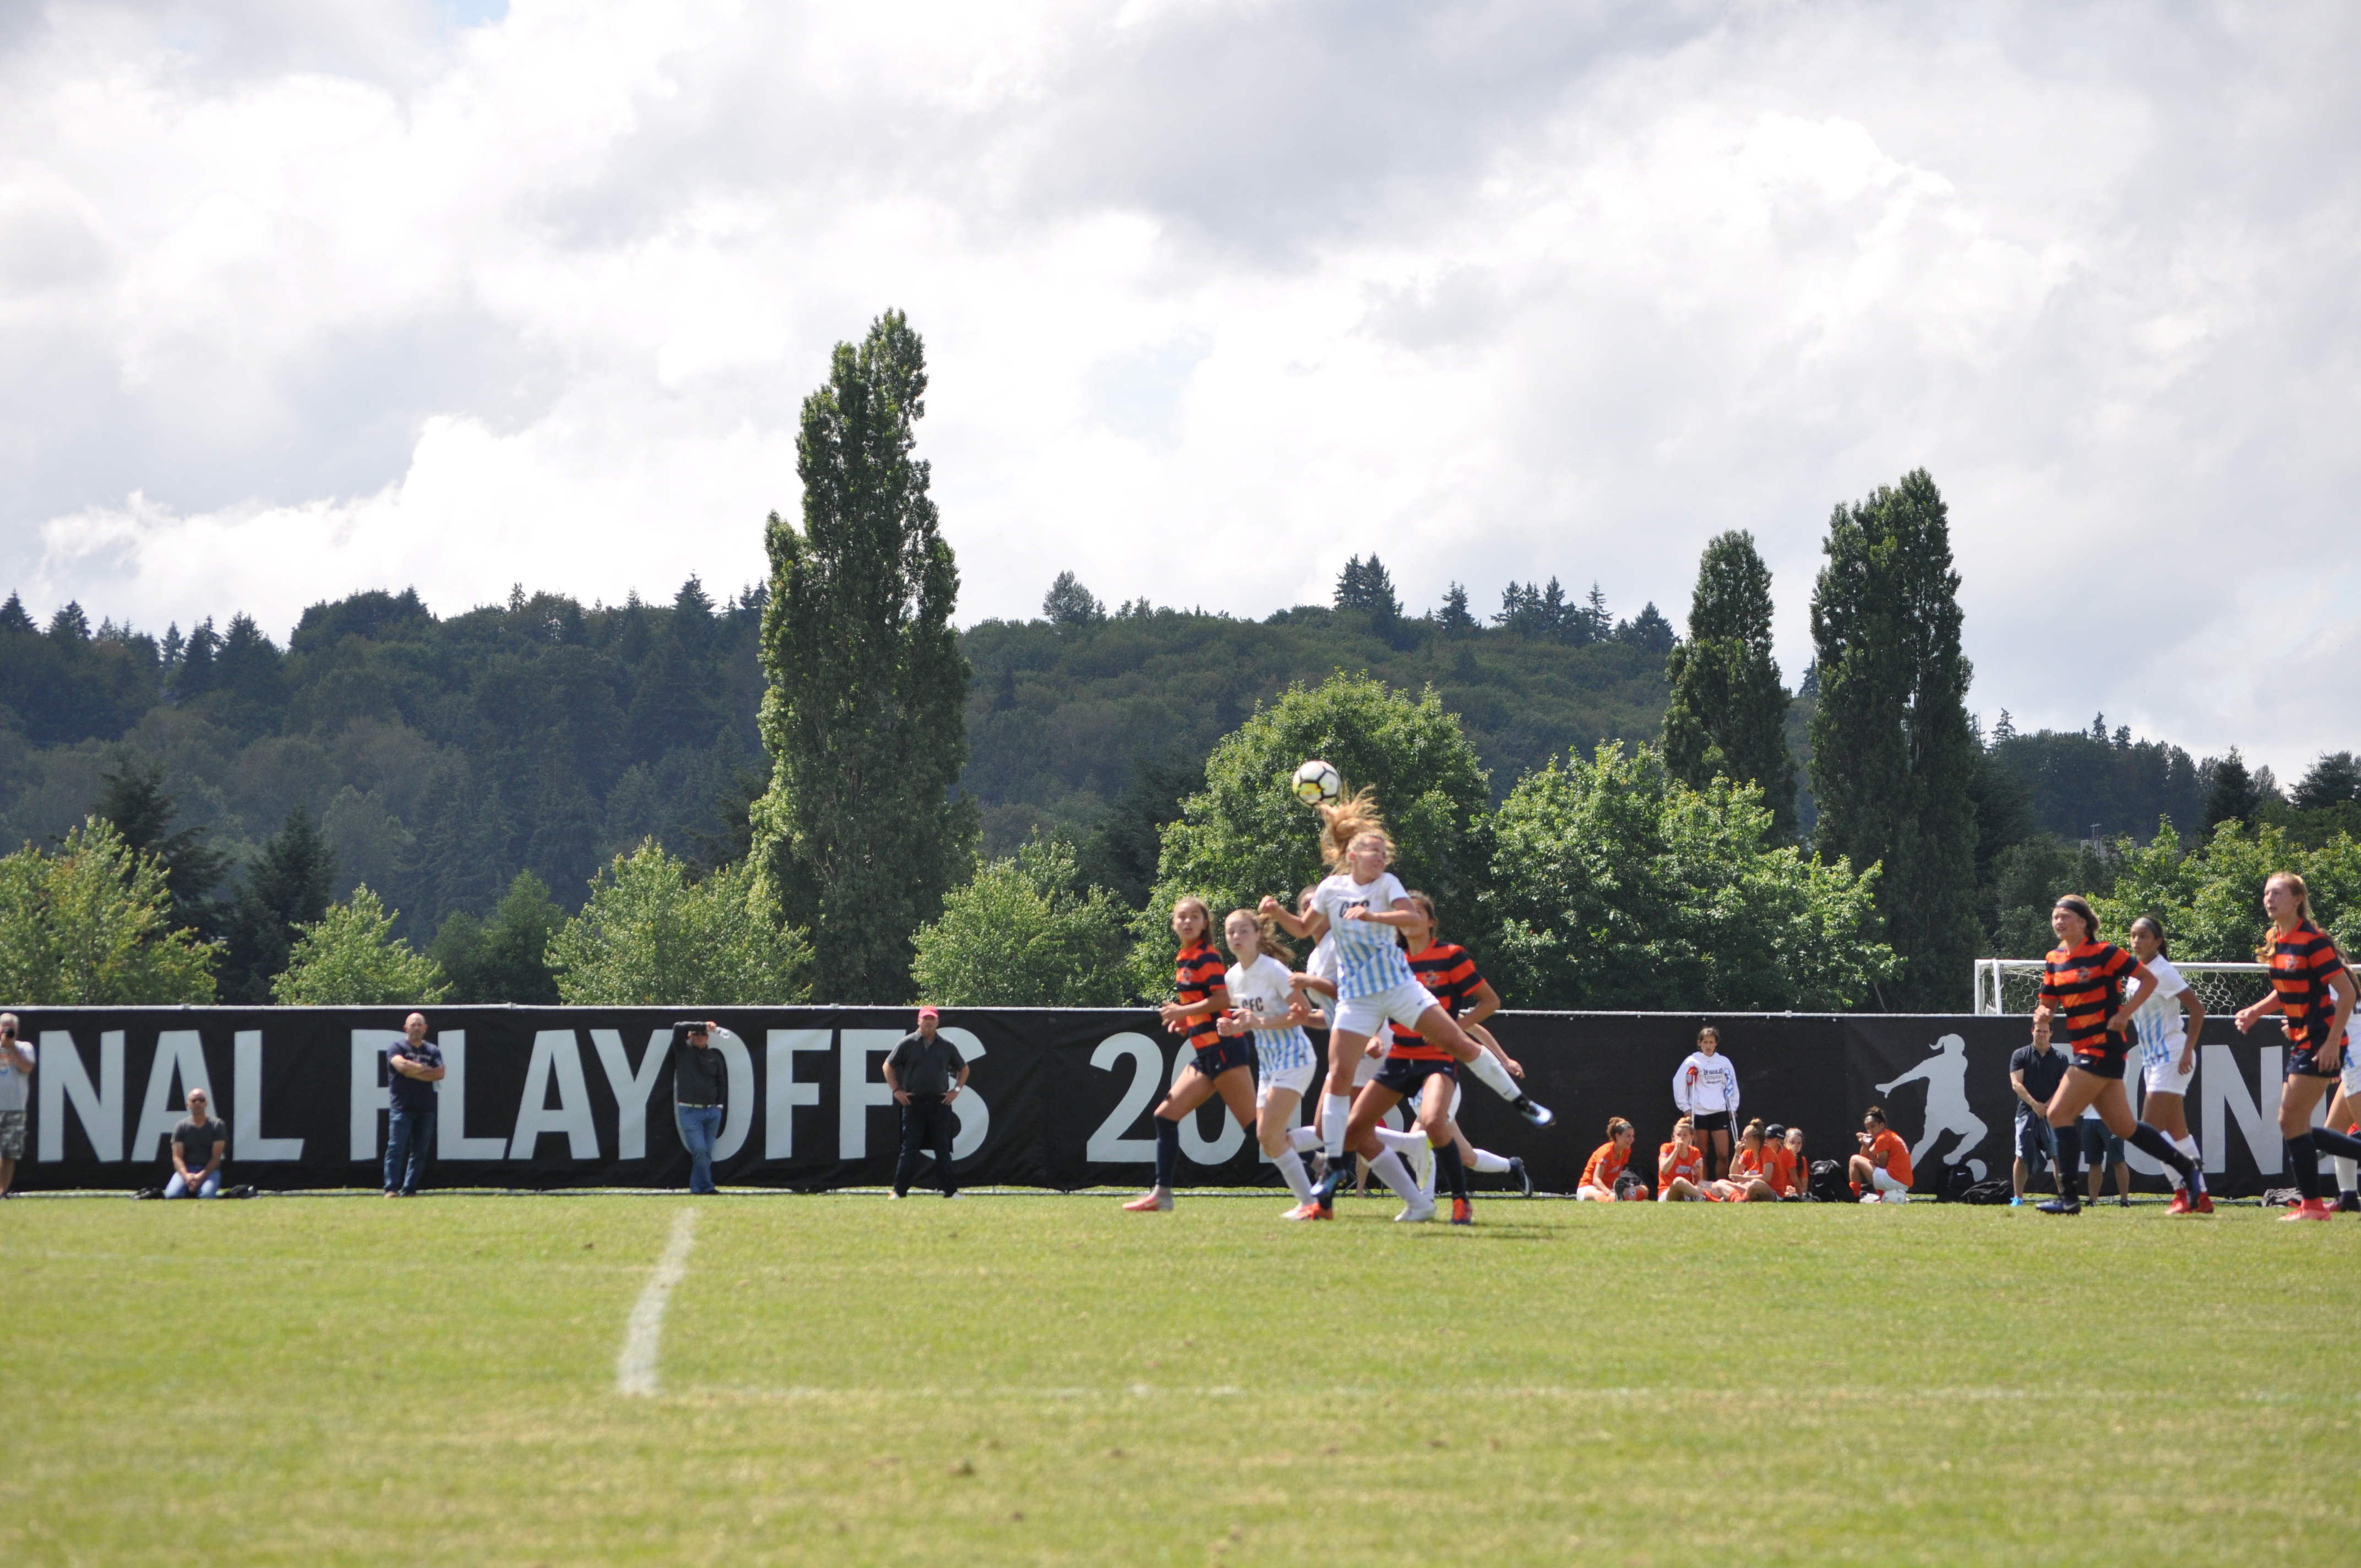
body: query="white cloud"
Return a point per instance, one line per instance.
(1215, 295)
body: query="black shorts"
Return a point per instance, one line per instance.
(2303, 1061)
(2107, 1064)
(1232, 1050)
(1710, 1121)
(1407, 1075)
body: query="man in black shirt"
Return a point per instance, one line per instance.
(198, 1145)
(2034, 1071)
(925, 1073)
(701, 1091)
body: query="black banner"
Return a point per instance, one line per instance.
(577, 1097)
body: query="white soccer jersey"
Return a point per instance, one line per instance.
(1705, 1085)
(2157, 1025)
(1261, 989)
(1369, 957)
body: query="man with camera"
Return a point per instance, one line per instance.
(15, 1074)
(700, 1092)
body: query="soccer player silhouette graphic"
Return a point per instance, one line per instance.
(1945, 1074)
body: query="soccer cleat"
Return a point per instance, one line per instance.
(1523, 1177)
(2202, 1203)
(1534, 1110)
(890, 1197)
(1869, 1197)
(2311, 1209)
(2060, 1206)
(2180, 1204)
(1416, 1215)
(1463, 1212)
(2348, 1203)
(1319, 1166)
(1309, 1211)
(1157, 1202)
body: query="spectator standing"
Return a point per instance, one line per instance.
(2034, 1071)
(1705, 1090)
(199, 1144)
(416, 1068)
(15, 1075)
(927, 1073)
(700, 1091)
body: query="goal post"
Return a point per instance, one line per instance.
(2013, 985)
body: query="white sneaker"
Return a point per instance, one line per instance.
(1872, 1197)
(1415, 1216)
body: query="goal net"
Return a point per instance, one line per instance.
(2013, 985)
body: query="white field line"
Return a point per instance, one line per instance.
(635, 1368)
(1942, 1396)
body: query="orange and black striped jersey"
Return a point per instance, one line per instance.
(2302, 963)
(1451, 977)
(1196, 975)
(2083, 986)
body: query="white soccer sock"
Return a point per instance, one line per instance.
(1400, 1143)
(1303, 1140)
(2345, 1172)
(1291, 1167)
(1486, 1066)
(1487, 1163)
(1336, 1110)
(1388, 1169)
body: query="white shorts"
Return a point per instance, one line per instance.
(2348, 1072)
(1405, 1005)
(2163, 1075)
(1295, 1080)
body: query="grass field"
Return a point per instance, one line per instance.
(1034, 1379)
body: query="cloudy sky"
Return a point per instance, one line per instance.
(299, 297)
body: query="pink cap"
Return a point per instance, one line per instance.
(925, 1012)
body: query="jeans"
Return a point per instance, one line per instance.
(409, 1145)
(699, 1125)
(927, 1121)
(209, 1186)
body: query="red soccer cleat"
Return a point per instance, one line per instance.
(2204, 1204)
(1309, 1211)
(1462, 1211)
(1158, 1201)
(2180, 1204)
(2311, 1209)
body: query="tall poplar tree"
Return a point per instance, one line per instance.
(857, 839)
(1893, 751)
(1727, 713)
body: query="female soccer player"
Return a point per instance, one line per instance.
(1222, 1066)
(1680, 1168)
(1783, 1161)
(1881, 1170)
(2167, 1040)
(2312, 990)
(1607, 1162)
(1362, 905)
(2083, 987)
(1450, 976)
(1747, 1182)
(1264, 1002)
(1705, 1087)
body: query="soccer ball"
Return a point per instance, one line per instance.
(1317, 781)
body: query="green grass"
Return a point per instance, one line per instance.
(1027, 1378)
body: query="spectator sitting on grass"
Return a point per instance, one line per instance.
(1606, 1178)
(1746, 1183)
(198, 1145)
(1783, 1162)
(1680, 1168)
(1881, 1170)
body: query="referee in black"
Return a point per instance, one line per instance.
(925, 1073)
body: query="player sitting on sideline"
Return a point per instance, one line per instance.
(1882, 1169)
(1607, 1177)
(1680, 1168)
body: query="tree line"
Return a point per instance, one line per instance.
(821, 788)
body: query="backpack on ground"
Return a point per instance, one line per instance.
(1994, 1191)
(1827, 1183)
(1955, 1184)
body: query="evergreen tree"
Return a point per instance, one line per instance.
(1453, 617)
(132, 797)
(1120, 854)
(286, 886)
(506, 957)
(2333, 780)
(1649, 632)
(858, 838)
(2231, 795)
(13, 616)
(1068, 604)
(1892, 754)
(1727, 713)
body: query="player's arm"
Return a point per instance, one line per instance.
(1485, 1042)
(2017, 1082)
(1216, 999)
(2193, 1019)
(1309, 926)
(1486, 1002)
(1312, 982)
(2143, 987)
(2340, 985)
(1400, 916)
(2246, 1016)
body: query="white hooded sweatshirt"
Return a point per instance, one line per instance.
(1705, 1085)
